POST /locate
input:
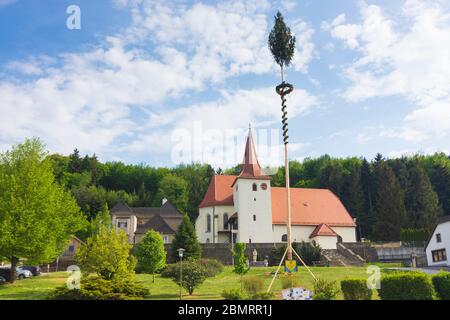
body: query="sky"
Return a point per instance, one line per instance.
(167, 82)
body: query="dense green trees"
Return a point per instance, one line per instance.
(424, 182)
(37, 216)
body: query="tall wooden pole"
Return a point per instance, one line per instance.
(288, 202)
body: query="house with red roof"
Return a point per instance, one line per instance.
(246, 208)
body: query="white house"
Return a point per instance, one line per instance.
(246, 208)
(439, 244)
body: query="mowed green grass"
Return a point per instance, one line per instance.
(165, 289)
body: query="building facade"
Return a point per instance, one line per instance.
(246, 208)
(136, 221)
(438, 246)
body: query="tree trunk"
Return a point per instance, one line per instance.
(153, 277)
(14, 262)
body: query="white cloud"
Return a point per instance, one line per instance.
(89, 100)
(406, 55)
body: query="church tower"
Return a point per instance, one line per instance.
(252, 199)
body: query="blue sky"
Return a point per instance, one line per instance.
(161, 82)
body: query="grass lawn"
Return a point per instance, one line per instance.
(165, 289)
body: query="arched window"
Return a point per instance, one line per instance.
(255, 187)
(208, 223)
(284, 238)
(225, 221)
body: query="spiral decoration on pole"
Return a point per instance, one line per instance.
(283, 90)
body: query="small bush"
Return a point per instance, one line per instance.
(171, 271)
(233, 294)
(325, 290)
(193, 275)
(96, 288)
(263, 296)
(253, 285)
(289, 281)
(406, 286)
(355, 289)
(212, 267)
(441, 283)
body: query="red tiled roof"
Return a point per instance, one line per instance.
(323, 230)
(220, 192)
(310, 207)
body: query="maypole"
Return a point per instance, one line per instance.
(282, 46)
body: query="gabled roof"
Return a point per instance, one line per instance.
(310, 207)
(323, 230)
(156, 223)
(220, 192)
(441, 220)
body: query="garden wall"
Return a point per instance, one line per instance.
(222, 251)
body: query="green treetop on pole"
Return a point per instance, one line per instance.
(281, 43)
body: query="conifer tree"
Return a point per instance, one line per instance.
(422, 203)
(186, 238)
(390, 206)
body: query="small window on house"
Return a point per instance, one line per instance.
(207, 240)
(439, 255)
(254, 217)
(284, 238)
(122, 224)
(254, 199)
(255, 187)
(71, 248)
(208, 223)
(438, 238)
(225, 221)
(166, 238)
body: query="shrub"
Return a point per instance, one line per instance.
(263, 296)
(97, 288)
(212, 267)
(193, 275)
(356, 289)
(253, 285)
(325, 290)
(233, 294)
(441, 283)
(309, 252)
(406, 286)
(289, 281)
(171, 270)
(150, 253)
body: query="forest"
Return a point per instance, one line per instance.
(390, 198)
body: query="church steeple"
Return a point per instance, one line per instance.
(250, 165)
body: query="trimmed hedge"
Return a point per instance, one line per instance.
(212, 267)
(356, 289)
(406, 286)
(441, 283)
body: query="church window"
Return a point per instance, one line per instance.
(264, 186)
(284, 238)
(255, 187)
(225, 221)
(254, 217)
(208, 223)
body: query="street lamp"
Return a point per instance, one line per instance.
(180, 254)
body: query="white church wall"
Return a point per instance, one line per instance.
(326, 242)
(216, 224)
(348, 234)
(255, 211)
(299, 233)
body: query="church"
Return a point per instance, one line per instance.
(246, 208)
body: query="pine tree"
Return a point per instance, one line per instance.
(368, 187)
(440, 178)
(186, 238)
(353, 197)
(390, 206)
(422, 203)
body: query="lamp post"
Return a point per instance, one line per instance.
(180, 254)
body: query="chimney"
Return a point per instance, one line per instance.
(164, 200)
